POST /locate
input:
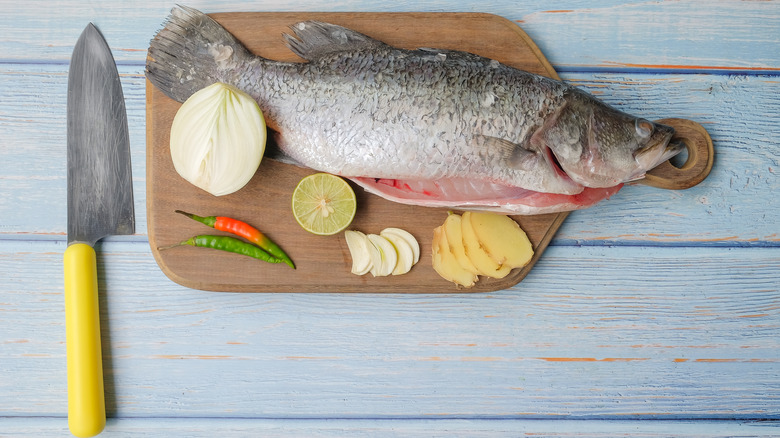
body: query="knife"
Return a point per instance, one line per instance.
(100, 203)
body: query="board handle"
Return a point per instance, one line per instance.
(701, 155)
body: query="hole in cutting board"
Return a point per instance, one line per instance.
(681, 160)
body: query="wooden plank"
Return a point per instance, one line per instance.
(270, 428)
(618, 34)
(691, 333)
(660, 36)
(740, 113)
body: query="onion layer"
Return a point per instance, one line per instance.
(218, 139)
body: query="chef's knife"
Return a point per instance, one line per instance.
(100, 203)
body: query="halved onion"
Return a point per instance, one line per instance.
(218, 139)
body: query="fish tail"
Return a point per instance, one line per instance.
(191, 52)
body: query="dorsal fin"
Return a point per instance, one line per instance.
(314, 39)
(446, 54)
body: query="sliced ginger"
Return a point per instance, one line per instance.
(502, 238)
(478, 243)
(445, 263)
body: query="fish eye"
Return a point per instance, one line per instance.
(643, 128)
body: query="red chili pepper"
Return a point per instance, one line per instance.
(244, 230)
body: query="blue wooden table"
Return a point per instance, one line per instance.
(656, 313)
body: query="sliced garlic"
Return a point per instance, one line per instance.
(404, 252)
(392, 252)
(407, 237)
(218, 139)
(357, 243)
(383, 255)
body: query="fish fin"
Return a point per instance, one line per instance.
(513, 155)
(276, 154)
(315, 39)
(435, 50)
(274, 150)
(191, 52)
(444, 54)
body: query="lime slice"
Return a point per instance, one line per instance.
(323, 204)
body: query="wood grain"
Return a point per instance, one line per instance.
(668, 36)
(698, 163)
(691, 333)
(408, 428)
(656, 314)
(323, 263)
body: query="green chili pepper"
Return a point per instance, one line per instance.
(244, 230)
(229, 244)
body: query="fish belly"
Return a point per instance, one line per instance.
(478, 195)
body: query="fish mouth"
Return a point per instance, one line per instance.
(673, 148)
(646, 159)
(653, 155)
(656, 153)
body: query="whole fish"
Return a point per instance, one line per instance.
(425, 127)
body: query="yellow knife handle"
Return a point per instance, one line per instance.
(86, 402)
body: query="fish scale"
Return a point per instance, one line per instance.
(365, 110)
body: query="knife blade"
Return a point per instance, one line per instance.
(100, 203)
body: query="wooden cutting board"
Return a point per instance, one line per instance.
(324, 263)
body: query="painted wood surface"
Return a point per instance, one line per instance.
(656, 313)
(429, 428)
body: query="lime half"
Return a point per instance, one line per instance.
(323, 204)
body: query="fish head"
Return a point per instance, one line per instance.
(599, 146)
